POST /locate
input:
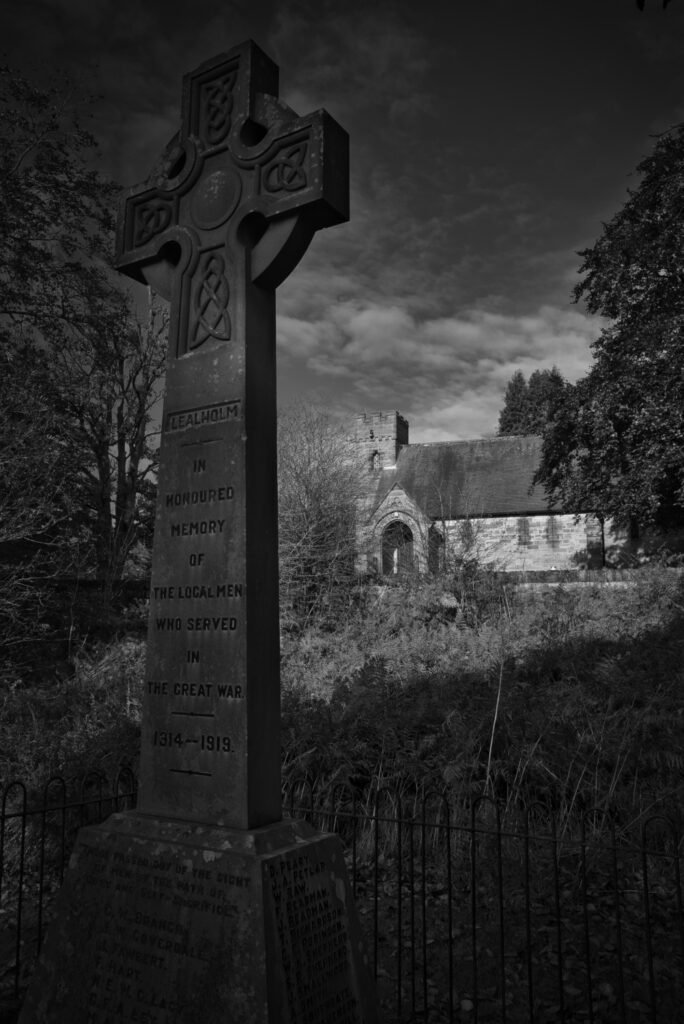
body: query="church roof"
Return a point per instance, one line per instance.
(453, 479)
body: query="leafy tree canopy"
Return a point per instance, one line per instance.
(528, 405)
(617, 444)
(75, 355)
(55, 210)
(318, 488)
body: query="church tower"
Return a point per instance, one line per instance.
(380, 436)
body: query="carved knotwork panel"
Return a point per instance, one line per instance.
(148, 218)
(211, 114)
(209, 301)
(288, 170)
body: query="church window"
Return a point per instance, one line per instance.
(552, 533)
(523, 530)
(435, 551)
(466, 534)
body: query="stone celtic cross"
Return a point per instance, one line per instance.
(226, 216)
(203, 903)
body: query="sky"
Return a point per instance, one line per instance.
(490, 139)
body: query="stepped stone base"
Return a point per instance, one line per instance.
(164, 922)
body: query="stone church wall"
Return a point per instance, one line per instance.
(505, 543)
(526, 542)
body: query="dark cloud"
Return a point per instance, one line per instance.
(488, 143)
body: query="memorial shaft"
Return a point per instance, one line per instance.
(210, 740)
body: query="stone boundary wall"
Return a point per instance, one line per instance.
(598, 577)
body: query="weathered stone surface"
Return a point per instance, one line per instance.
(203, 906)
(166, 922)
(222, 220)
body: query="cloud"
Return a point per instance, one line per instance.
(374, 53)
(478, 166)
(474, 414)
(448, 374)
(477, 341)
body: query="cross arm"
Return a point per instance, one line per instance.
(306, 169)
(302, 186)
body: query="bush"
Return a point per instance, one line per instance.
(91, 720)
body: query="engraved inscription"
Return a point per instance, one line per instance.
(197, 528)
(225, 691)
(196, 727)
(312, 933)
(185, 418)
(212, 743)
(146, 933)
(197, 623)
(202, 496)
(193, 591)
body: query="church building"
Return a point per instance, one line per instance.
(426, 506)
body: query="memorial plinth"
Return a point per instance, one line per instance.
(204, 905)
(162, 921)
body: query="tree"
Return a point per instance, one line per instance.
(55, 211)
(63, 313)
(35, 506)
(634, 273)
(318, 486)
(106, 386)
(529, 406)
(516, 406)
(617, 444)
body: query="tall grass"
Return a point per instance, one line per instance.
(567, 696)
(69, 726)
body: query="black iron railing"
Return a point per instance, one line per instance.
(37, 833)
(471, 913)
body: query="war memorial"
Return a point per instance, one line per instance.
(204, 904)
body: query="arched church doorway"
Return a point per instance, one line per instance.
(397, 550)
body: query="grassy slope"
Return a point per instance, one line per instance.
(571, 696)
